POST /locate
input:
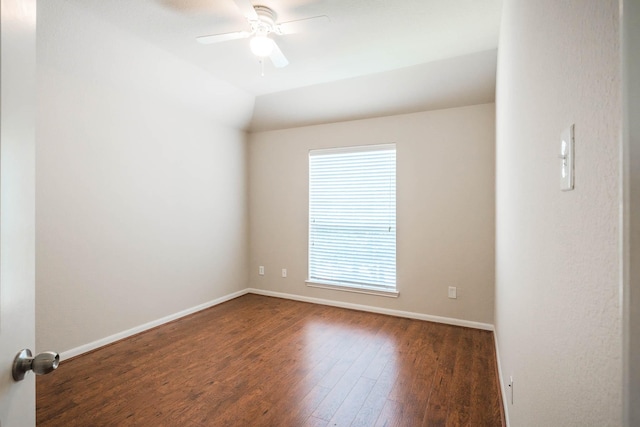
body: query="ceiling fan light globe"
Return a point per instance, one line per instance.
(261, 46)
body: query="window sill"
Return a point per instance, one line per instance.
(355, 289)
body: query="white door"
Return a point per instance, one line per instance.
(17, 206)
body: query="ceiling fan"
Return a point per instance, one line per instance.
(263, 25)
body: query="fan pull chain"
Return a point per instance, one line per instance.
(261, 67)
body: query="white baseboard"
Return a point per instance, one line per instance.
(505, 404)
(398, 313)
(379, 310)
(125, 334)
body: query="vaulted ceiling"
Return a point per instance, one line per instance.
(373, 58)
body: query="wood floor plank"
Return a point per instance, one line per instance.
(351, 404)
(299, 413)
(391, 414)
(485, 400)
(460, 402)
(374, 404)
(261, 361)
(315, 422)
(437, 406)
(405, 355)
(357, 360)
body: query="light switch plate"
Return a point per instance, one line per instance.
(566, 157)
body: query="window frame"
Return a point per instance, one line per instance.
(362, 288)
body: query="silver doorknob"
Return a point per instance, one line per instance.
(42, 364)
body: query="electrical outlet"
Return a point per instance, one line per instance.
(261, 270)
(284, 272)
(510, 386)
(453, 292)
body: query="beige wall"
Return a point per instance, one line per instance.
(445, 208)
(557, 253)
(141, 182)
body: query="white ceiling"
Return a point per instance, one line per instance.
(454, 82)
(390, 41)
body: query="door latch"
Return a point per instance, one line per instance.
(42, 364)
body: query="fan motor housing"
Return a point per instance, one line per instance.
(266, 20)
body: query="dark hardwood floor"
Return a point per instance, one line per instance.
(261, 361)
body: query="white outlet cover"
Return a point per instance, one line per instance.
(511, 388)
(566, 157)
(453, 292)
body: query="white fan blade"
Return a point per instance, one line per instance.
(302, 25)
(217, 38)
(247, 9)
(278, 58)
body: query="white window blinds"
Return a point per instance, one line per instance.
(352, 216)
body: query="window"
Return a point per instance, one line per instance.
(352, 218)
